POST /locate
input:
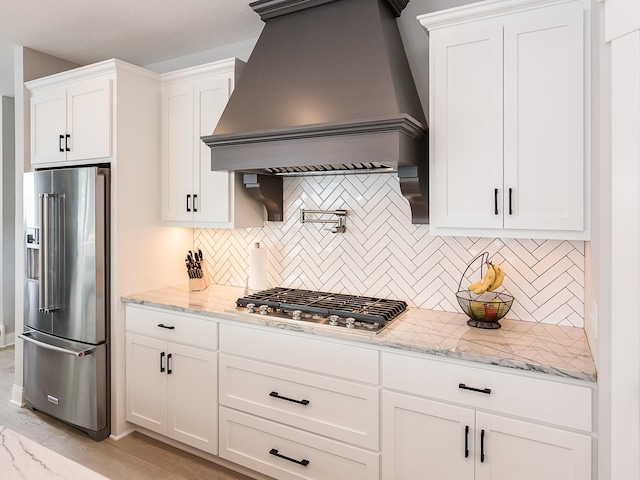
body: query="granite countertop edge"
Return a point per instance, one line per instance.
(380, 339)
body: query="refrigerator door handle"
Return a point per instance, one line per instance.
(76, 353)
(48, 262)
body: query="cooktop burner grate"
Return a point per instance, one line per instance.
(363, 309)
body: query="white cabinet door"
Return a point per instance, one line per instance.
(89, 119)
(213, 189)
(193, 195)
(193, 391)
(507, 120)
(146, 403)
(73, 122)
(177, 152)
(466, 128)
(426, 439)
(544, 122)
(520, 450)
(48, 125)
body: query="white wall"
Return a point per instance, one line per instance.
(619, 254)
(7, 206)
(241, 50)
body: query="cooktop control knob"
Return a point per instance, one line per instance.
(250, 307)
(333, 319)
(351, 322)
(296, 314)
(264, 309)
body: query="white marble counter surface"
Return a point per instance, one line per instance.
(21, 458)
(550, 349)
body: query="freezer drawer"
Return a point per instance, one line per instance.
(67, 380)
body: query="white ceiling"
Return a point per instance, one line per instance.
(141, 32)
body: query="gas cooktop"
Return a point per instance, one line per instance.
(366, 314)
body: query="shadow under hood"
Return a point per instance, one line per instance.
(327, 89)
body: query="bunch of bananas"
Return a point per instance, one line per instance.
(492, 279)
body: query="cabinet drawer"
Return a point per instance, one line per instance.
(263, 445)
(187, 329)
(564, 404)
(301, 352)
(335, 408)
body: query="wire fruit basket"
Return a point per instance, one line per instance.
(484, 309)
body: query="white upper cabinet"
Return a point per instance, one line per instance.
(71, 122)
(507, 119)
(192, 195)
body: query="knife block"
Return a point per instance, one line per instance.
(199, 284)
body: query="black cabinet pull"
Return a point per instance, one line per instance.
(66, 143)
(60, 143)
(168, 327)
(482, 446)
(302, 462)
(188, 198)
(466, 441)
(481, 390)
(161, 362)
(510, 210)
(169, 364)
(195, 197)
(301, 402)
(495, 201)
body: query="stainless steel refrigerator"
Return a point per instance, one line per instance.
(66, 296)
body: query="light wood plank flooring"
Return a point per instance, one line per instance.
(135, 457)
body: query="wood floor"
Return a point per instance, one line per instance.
(135, 457)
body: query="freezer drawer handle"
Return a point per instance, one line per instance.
(81, 353)
(168, 327)
(277, 395)
(302, 462)
(481, 390)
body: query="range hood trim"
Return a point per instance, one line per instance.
(402, 123)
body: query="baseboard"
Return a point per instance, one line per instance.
(121, 436)
(17, 396)
(6, 339)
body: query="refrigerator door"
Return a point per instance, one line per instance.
(79, 396)
(65, 222)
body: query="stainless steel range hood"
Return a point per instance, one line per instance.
(327, 89)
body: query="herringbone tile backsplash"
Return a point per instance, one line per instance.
(382, 254)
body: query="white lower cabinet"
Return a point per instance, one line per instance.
(420, 436)
(526, 451)
(287, 453)
(171, 387)
(294, 407)
(422, 432)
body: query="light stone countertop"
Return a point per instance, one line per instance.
(549, 349)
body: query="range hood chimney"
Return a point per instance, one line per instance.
(327, 89)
